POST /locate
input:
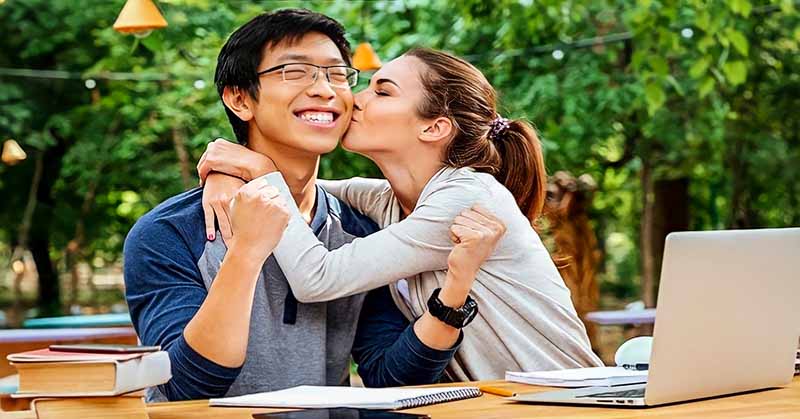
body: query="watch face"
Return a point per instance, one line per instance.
(471, 309)
(457, 318)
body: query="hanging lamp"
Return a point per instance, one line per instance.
(12, 153)
(365, 58)
(139, 17)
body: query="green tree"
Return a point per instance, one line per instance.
(682, 111)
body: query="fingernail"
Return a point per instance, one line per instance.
(211, 237)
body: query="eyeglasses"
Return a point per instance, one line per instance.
(305, 74)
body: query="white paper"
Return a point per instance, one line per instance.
(330, 397)
(580, 377)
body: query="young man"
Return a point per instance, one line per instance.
(224, 311)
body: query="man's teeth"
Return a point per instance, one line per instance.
(323, 117)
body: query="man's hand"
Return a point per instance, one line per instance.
(217, 196)
(233, 159)
(258, 218)
(475, 233)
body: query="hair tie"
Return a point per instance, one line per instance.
(498, 128)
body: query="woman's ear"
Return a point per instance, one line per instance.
(439, 129)
(238, 101)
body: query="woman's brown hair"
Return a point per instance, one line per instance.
(511, 152)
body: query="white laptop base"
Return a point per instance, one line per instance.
(726, 321)
(632, 395)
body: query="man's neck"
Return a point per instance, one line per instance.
(299, 170)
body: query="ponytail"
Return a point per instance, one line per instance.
(521, 169)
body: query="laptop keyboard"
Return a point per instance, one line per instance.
(622, 394)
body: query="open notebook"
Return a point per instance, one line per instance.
(311, 397)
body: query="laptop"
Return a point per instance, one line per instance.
(727, 321)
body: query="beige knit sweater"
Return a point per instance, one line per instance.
(526, 320)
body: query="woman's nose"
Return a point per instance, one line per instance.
(358, 100)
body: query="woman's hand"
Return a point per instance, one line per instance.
(233, 159)
(475, 232)
(258, 218)
(217, 196)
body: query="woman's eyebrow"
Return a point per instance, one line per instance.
(381, 81)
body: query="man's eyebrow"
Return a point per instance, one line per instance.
(306, 59)
(335, 61)
(290, 56)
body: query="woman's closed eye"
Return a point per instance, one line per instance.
(381, 93)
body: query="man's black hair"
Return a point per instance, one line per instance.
(237, 63)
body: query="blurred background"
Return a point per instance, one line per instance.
(656, 116)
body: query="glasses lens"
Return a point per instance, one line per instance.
(298, 72)
(342, 76)
(338, 75)
(352, 77)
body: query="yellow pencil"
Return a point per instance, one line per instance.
(497, 391)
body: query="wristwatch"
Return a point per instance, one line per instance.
(455, 317)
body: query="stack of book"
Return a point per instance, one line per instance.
(74, 384)
(797, 363)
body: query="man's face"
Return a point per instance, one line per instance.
(312, 117)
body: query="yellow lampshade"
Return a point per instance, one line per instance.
(365, 58)
(13, 153)
(139, 17)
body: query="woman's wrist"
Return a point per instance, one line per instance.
(260, 166)
(244, 256)
(453, 298)
(456, 288)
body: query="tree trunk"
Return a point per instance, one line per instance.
(74, 251)
(738, 217)
(670, 213)
(665, 210)
(647, 236)
(178, 139)
(49, 292)
(49, 300)
(25, 227)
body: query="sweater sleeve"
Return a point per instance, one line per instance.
(367, 196)
(419, 243)
(164, 290)
(388, 352)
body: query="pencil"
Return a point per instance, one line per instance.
(497, 391)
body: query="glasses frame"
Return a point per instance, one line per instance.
(316, 73)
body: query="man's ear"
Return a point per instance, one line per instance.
(439, 129)
(238, 101)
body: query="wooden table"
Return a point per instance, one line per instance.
(776, 403)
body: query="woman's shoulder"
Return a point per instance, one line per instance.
(462, 181)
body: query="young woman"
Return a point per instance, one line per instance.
(429, 121)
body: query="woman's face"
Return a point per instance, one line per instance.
(385, 116)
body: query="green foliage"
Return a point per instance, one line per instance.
(716, 107)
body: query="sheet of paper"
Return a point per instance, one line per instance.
(327, 397)
(580, 374)
(580, 377)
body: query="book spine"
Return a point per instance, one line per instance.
(449, 396)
